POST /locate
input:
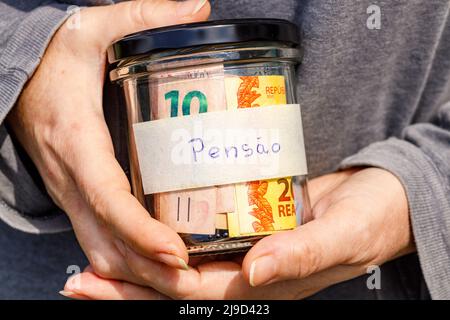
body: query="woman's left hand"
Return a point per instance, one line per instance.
(360, 219)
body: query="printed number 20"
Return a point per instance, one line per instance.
(287, 187)
(174, 97)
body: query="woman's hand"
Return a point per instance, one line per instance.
(360, 218)
(59, 121)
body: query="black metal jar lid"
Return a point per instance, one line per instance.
(204, 33)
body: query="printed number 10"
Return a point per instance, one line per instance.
(174, 97)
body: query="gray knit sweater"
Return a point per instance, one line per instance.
(370, 96)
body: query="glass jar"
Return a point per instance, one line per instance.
(235, 78)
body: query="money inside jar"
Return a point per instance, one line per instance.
(215, 135)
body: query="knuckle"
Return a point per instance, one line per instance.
(77, 29)
(136, 13)
(103, 266)
(142, 13)
(69, 39)
(139, 271)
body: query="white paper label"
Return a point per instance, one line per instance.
(219, 148)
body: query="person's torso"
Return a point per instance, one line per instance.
(361, 82)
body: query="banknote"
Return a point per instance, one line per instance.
(262, 207)
(188, 211)
(181, 93)
(257, 207)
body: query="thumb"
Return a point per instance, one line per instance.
(296, 254)
(116, 21)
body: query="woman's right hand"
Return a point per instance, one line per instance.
(59, 121)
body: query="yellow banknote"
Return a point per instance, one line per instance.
(261, 207)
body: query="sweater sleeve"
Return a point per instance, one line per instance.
(26, 28)
(420, 158)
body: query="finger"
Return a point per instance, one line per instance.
(296, 254)
(98, 244)
(90, 161)
(232, 285)
(133, 16)
(225, 280)
(175, 283)
(88, 155)
(87, 152)
(95, 288)
(212, 280)
(73, 295)
(94, 169)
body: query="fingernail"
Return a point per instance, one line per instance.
(73, 283)
(173, 261)
(262, 271)
(73, 295)
(190, 7)
(67, 294)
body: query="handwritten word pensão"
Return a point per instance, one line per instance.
(240, 150)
